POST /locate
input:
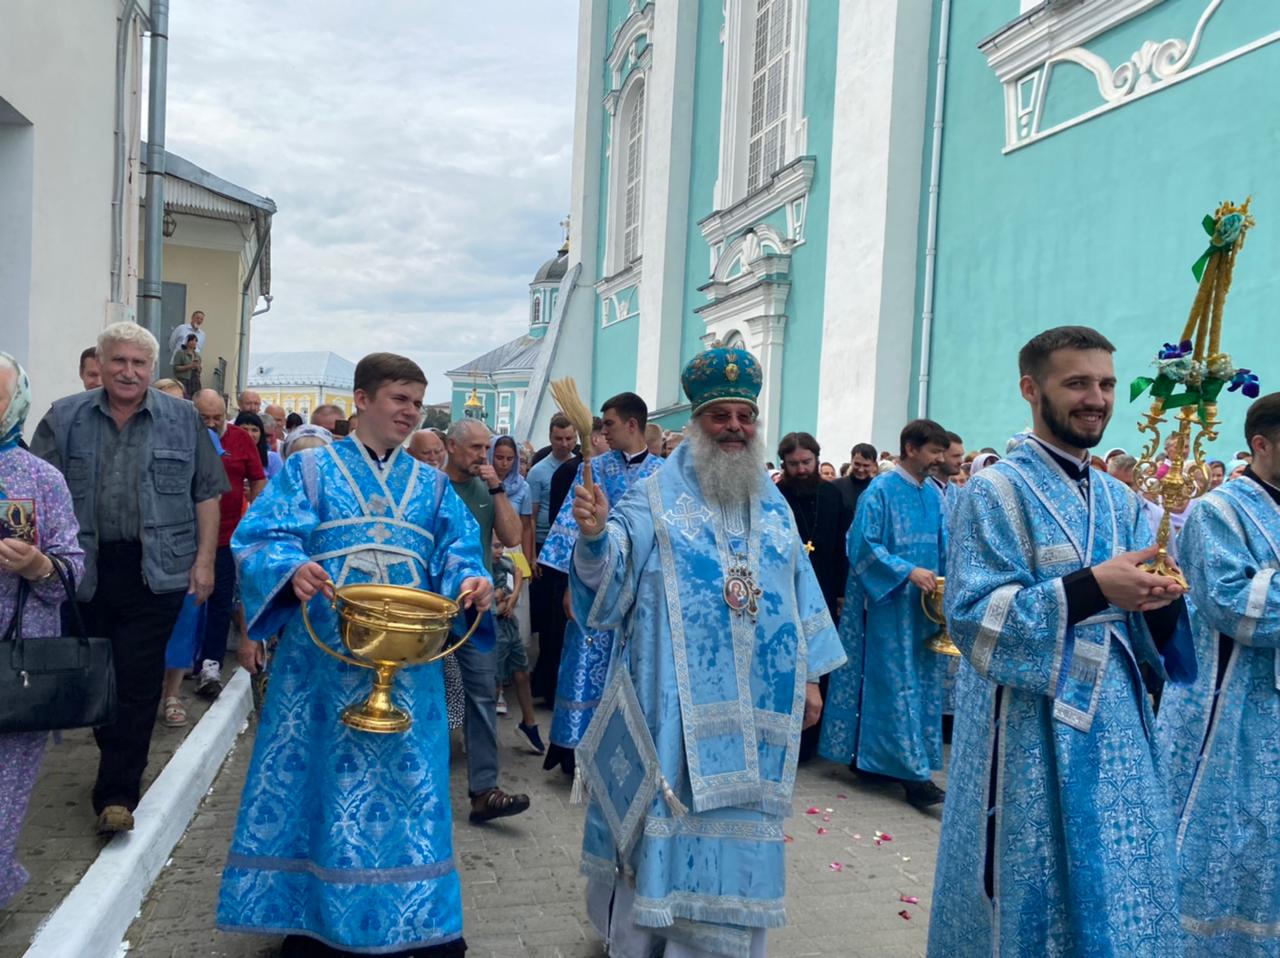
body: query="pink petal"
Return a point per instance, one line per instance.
(909, 899)
(822, 831)
(842, 797)
(857, 836)
(787, 838)
(812, 811)
(826, 818)
(885, 837)
(837, 867)
(905, 915)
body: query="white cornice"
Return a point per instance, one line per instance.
(1035, 37)
(611, 286)
(790, 183)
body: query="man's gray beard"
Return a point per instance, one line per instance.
(728, 478)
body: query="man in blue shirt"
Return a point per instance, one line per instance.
(542, 587)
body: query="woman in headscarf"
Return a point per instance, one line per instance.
(36, 521)
(306, 436)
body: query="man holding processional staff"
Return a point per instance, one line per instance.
(344, 837)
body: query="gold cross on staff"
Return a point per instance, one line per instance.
(809, 548)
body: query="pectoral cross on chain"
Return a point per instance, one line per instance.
(809, 548)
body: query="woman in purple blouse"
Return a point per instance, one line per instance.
(23, 476)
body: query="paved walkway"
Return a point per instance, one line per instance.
(522, 894)
(59, 841)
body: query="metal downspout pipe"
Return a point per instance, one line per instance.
(931, 232)
(247, 311)
(153, 226)
(128, 13)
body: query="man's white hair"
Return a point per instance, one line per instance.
(130, 334)
(459, 429)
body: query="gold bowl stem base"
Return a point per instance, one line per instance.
(378, 713)
(1162, 565)
(942, 644)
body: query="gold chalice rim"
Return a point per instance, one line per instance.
(401, 608)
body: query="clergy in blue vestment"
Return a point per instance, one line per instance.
(343, 839)
(1057, 836)
(944, 473)
(585, 654)
(884, 707)
(1222, 735)
(723, 633)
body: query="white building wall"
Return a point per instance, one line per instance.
(58, 72)
(882, 73)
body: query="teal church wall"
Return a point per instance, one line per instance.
(1099, 224)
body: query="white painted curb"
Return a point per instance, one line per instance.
(93, 919)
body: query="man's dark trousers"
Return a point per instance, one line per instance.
(138, 622)
(218, 621)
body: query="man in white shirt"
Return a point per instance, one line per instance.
(179, 335)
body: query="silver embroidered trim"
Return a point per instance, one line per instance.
(698, 826)
(1052, 555)
(1208, 927)
(984, 644)
(344, 876)
(1255, 606)
(1209, 742)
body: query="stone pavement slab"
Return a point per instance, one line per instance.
(523, 896)
(58, 841)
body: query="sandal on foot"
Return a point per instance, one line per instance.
(175, 713)
(495, 803)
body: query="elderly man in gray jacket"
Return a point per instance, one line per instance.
(146, 480)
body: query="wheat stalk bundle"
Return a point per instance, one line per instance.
(565, 393)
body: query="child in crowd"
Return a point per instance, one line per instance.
(513, 662)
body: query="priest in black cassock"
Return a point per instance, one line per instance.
(823, 517)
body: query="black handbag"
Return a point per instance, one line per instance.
(59, 682)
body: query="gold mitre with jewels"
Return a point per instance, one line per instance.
(722, 374)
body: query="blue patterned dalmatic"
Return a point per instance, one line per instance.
(884, 707)
(345, 835)
(1054, 757)
(585, 657)
(691, 761)
(1222, 735)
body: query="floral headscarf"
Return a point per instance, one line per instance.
(15, 417)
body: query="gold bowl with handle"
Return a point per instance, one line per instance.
(932, 604)
(387, 628)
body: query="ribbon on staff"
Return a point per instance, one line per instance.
(1222, 236)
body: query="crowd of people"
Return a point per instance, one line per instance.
(699, 621)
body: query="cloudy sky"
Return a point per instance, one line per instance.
(418, 151)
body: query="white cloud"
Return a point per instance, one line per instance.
(418, 150)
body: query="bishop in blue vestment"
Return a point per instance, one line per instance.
(884, 708)
(585, 655)
(722, 635)
(1057, 837)
(344, 836)
(1222, 734)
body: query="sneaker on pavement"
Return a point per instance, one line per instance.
(113, 819)
(502, 704)
(923, 794)
(534, 736)
(209, 684)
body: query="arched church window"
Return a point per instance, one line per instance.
(769, 74)
(537, 309)
(632, 176)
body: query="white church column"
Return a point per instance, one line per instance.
(882, 74)
(665, 217)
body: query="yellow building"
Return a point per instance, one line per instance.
(302, 381)
(217, 259)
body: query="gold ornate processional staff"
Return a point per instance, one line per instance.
(1196, 363)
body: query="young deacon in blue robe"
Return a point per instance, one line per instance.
(585, 655)
(343, 841)
(1222, 735)
(884, 708)
(1057, 836)
(722, 635)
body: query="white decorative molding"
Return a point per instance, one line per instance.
(616, 307)
(748, 295)
(1026, 54)
(622, 53)
(789, 184)
(1039, 34)
(737, 34)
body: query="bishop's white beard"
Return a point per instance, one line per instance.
(726, 477)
